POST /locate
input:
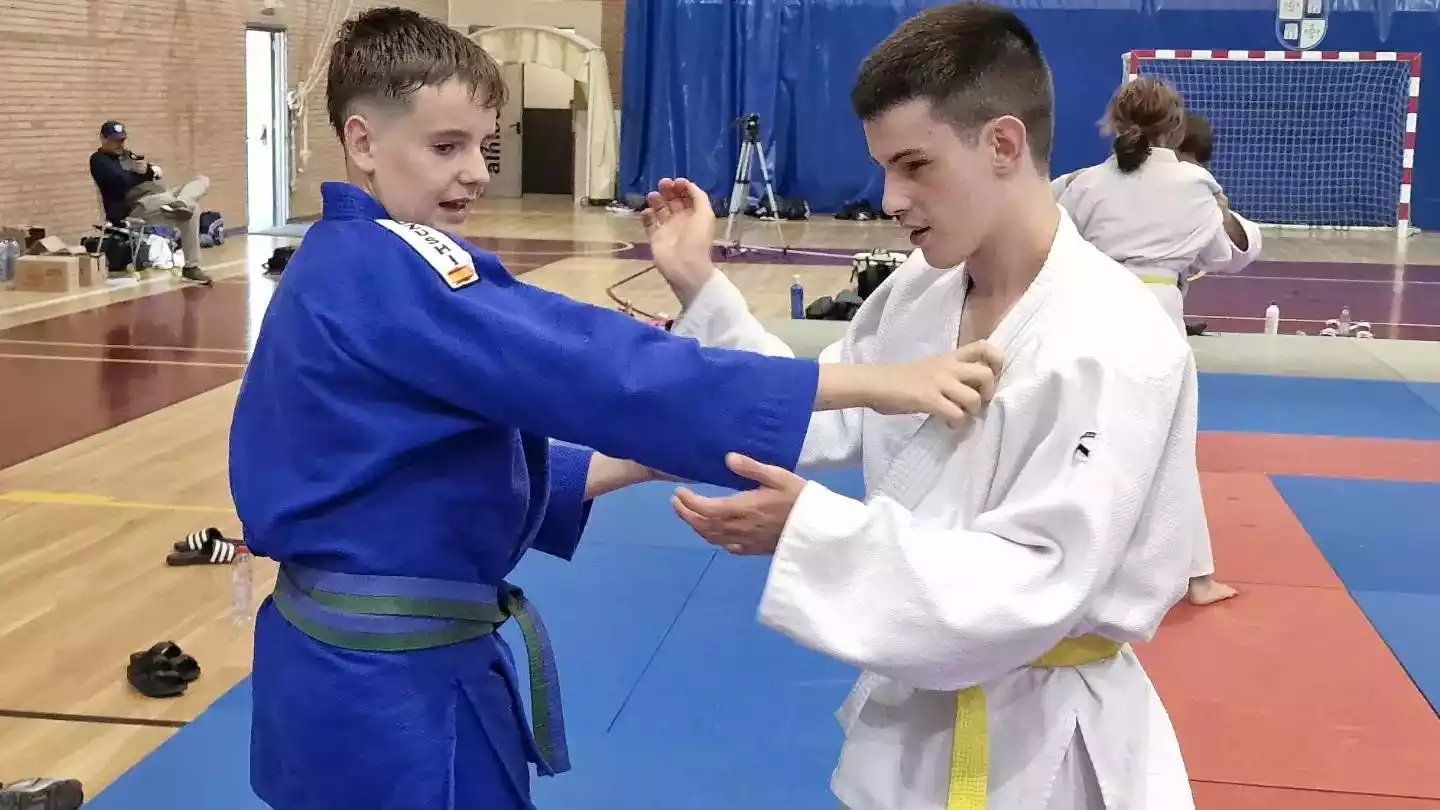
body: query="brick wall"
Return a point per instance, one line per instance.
(612, 39)
(172, 70)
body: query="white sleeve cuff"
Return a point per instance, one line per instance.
(718, 297)
(803, 559)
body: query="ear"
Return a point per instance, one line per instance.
(1009, 143)
(360, 142)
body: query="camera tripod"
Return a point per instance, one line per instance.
(750, 148)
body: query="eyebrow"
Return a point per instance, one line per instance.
(451, 134)
(904, 154)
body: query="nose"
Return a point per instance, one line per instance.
(475, 172)
(896, 201)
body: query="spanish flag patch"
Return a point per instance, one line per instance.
(458, 277)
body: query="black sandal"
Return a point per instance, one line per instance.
(217, 552)
(154, 677)
(164, 670)
(195, 541)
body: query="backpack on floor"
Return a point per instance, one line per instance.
(212, 229)
(275, 265)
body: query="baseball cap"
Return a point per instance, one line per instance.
(112, 131)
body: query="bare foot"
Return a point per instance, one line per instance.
(1206, 591)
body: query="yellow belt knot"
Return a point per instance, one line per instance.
(970, 756)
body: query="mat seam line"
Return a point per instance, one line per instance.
(669, 628)
(100, 719)
(1317, 790)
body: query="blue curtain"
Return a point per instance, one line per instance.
(693, 67)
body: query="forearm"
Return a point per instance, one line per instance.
(609, 474)
(1236, 231)
(687, 282)
(843, 386)
(716, 315)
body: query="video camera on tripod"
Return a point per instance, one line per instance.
(750, 147)
(751, 121)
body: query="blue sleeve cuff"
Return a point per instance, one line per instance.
(567, 510)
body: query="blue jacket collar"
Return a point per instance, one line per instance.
(349, 201)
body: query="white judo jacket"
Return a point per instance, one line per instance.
(1066, 509)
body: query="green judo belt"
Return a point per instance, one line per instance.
(399, 614)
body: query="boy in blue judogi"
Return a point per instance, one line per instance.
(391, 448)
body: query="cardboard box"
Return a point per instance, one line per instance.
(94, 270)
(26, 235)
(52, 274)
(50, 265)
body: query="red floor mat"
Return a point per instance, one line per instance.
(1328, 456)
(1256, 538)
(1290, 687)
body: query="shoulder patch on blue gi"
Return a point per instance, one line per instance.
(448, 259)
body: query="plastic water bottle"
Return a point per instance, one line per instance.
(1272, 319)
(10, 251)
(797, 300)
(242, 576)
(1344, 321)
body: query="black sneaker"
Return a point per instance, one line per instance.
(192, 272)
(42, 794)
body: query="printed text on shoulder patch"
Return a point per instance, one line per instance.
(448, 259)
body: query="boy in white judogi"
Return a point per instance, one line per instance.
(994, 577)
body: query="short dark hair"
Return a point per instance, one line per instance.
(385, 55)
(1199, 141)
(973, 62)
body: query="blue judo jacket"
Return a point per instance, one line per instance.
(397, 424)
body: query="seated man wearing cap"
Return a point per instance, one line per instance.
(129, 187)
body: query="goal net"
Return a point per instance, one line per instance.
(1303, 139)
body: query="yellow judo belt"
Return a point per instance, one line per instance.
(1164, 281)
(970, 757)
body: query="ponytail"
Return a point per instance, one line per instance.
(1132, 147)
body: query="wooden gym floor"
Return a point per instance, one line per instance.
(115, 412)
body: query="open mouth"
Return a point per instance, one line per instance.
(917, 235)
(457, 206)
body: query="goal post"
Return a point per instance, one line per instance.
(1303, 139)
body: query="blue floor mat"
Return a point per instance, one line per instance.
(204, 765)
(754, 710)
(606, 613)
(1378, 409)
(1383, 540)
(1407, 623)
(1377, 535)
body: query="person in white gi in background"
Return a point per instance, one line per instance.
(993, 578)
(1160, 217)
(1197, 147)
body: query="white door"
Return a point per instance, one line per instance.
(266, 130)
(503, 157)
